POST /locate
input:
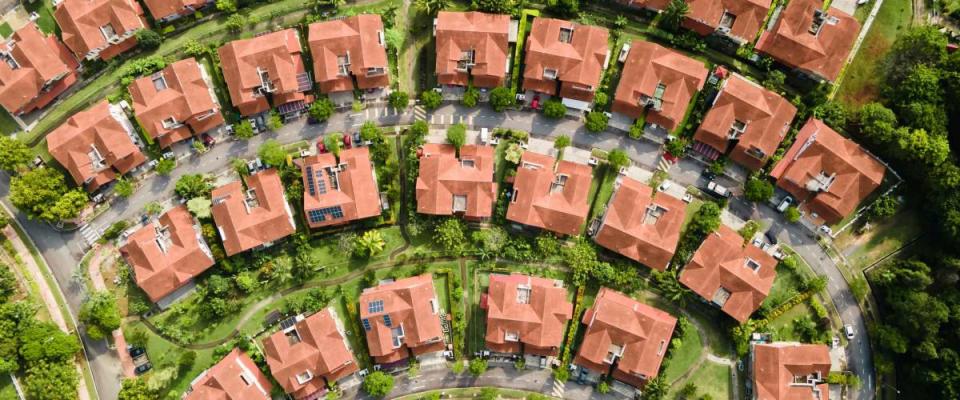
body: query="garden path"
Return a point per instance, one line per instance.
(103, 253)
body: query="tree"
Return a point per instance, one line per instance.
(430, 99)
(832, 113)
(493, 6)
(378, 384)
(67, 207)
(395, 38)
(192, 186)
(673, 15)
(123, 187)
(165, 166)
(792, 214)
(37, 192)
(399, 99)
(920, 45)
(333, 143)
(618, 158)
(775, 80)
(655, 389)
(229, 6)
(883, 208)
(199, 207)
(186, 360)
(561, 142)
(470, 97)
(272, 153)
(477, 366)
(501, 97)
(51, 381)
(153, 208)
(274, 121)
(757, 189)
(920, 85)
(596, 121)
(369, 244)
(565, 8)
(100, 313)
(148, 38)
(137, 337)
(136, 388)
(43, 341)
(235, 23)
(449, 234)
(457, 136)
(14, 154)
(321, 109)
(676, 147)
(243, 130)
(554, 109)
(8, 283)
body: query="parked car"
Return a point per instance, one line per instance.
(208, 140)
(848, 331)
(771, 237)
(716, 189)
(665, 185)
(142, 368)
(135, 351)
(784, 204)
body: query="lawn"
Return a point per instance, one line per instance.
(683, 357)
(860, 82)
(5, 29)
(782, 326)
(604, 192)
(7, 391)
(710, 378)
(470, 393)
(164, 355)
(600, 176)
(692, 207)
(7, 125)
(45, 10)
(888, 236)
(785, 285)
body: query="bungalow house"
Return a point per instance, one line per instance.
(169, 10)
(565, 59)
(176, 103)
(339, 192)
(657, 84)
(745, 120)
(101, 29)
(731, 274)
(236, 376)
(813, 41)
(472, 48)
(526, 315)
(640, 224)
(96, 145)
(349, 53)
(738, 20)
(308, 354)
(827, 173)
(550, 195)
(266, 71)
(36, 68)
(789, 370)
(448, 185)
(166, 254)
(254, 216)
(401, 318)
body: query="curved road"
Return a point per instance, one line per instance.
(63, 251)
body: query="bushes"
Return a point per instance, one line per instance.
(470, 97)
(399, 99)
(757, 189)
(554, 109)
(477, 366)
(596, 121)
(148, 39)
(321, 109)
(430, 99)
(378, 384)
(501, 98)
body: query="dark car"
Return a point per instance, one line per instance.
(136, 351)
(208, 140)
(771, 237)
(142, 368)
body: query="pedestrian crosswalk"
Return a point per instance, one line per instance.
(419, 113)
(558, 389)
(90, 234)
(664, 165)
(373, 113)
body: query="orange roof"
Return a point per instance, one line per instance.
(33, 60)
(95, 145)
(528, 310)
(642, 225)
(167, 253)
(760, 119)
(444, 180)
(577, 59)
(235, 377)
(706, 16)
(650, 66)
(776, 366)
(829, 172)
(792, 43)
(486, 35)
(85, 25)
(360, 40)
(270, 63)
(164, 9)
(733, 275)
(181, 92)
(248, 219)
(315, 345)
(548, 197)
(636, 333)
(349, 186)
(648, 4)
(400, 315)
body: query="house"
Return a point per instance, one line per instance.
(448, 185)
(526, 314)
(472, 48)
(827, 173)
(789, 370)
(99, 29)
(36, 68)
(254, 216)
(400, 318)
(348, 50)
(550, 195)
(566, 59)
(176, 103)
(657, 84)
(339, 192)
(739, 20)
(96, 145)
(169, 10)
(266, 70)
(811, 40)
(625, 339)
(236, 376)
(746, 120)
(731, 274)
(308, 354)
(166, 254)
(640, 224)
(652, 5)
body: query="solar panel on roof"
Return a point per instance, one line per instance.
(288, 323)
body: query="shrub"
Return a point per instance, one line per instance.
(757, 189)
(322, 109)
(399, 99)
(274, 122)
(501, 98)
(430, 99)
(470, 97)
(478, 366)
(148, 39)
(596, 121)
(123, 187)
(165, 166)
(792, 214)
(457, 135)
(554, 109)
(243, 130)
(378, 384)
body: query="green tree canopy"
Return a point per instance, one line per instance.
(378, 384)
(272, 153)
(457, 135)
(321, 109)
(14, 154)
(673, 15)
(554, 109)
(596, 121)
(192, 186)
(42, 193)
(757, 189)
(51, 381)
(430, 99)
(399, 99)
(333, 142)
(501, 98)
(100, 314)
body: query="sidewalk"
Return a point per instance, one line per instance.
(101, 253)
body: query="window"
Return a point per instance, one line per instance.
(511, 336)
(397, 335)
(660, 348)
(566, 35)
(549, 73)
(467, 59)
(753, 265)
(467, 163)
(169, 123)
(387, 321)
(11, 62)
(727, 20)
(516, 193)
(721, 296)
(246, 380)
(108, 32)
(343, 64)
(459, 203)
(159, 82)
(305, 377)
(366, 324)
(737, 129)
(523, 294)
(375, 306)
(376, 71)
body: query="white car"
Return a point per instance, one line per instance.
(665, 185)
(848, 331)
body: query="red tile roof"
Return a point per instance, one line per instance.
(485, 34)
(276, 54)
(828, 172)
(767, 117)
(179, 91)
(164, 9)
(578, 63)
(81, 23)
(40, 60)
(791, 43)
(619, 324)
(722, 271)
(642, 225)
(648, 4)
(411, 307)
(705, 17)
(354, 192)
(550, 198)
(97, 131)
(167, 253)
(443, 177)
(235, 377)
(315, 344)
(649, 65)
(253, 217)
(360, 39)
(532, 311)
(776, 365)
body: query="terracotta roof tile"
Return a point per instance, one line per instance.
(278, 55)
(39, 59)
(776, 365)
(532, 310)
(248, 219)
(81, 21)
(443, 178)
(360, 38)
(550, 197)
(410, 306)
(485, 34)
(824, 54)
(648, 4)
(235, 377)
(355, 191)
(705, 17)
(578, 62)
(161, 9)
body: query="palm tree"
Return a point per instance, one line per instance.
(371, 243)
(431, 7)
(673, 15)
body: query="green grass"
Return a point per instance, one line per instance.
(7, 391)
(692, 207)
(5, 30)
(470, 393)
(710, 378)
(45, 10)
(861, 80)
(881, 240)
(604, 192)
(683, 357)
(782, 326)
(163, 355)
(600, 176)
(785, 285)
(7, 125)
(477, 326)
